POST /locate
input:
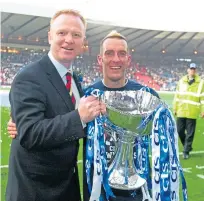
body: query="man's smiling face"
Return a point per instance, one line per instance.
(66, 37)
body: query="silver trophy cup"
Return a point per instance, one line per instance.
(127, 110)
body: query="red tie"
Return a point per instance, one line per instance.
(69, 87)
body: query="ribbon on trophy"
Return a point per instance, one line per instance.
(163, 180)
(141, 151)
(96, 156)
(165, 159)
(141, 158)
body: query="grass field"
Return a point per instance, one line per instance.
(194, 167)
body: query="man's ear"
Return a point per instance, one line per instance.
(100, 59)
(100, 62)
(129, 60)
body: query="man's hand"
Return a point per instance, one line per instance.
(202, 114)
(89, 108)
(11, 128)
(103, 107)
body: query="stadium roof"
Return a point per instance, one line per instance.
(24, 29)
(168, 15)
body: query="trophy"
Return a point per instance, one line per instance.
(134, 115)
(129, 112)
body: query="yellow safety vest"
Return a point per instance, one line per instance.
(189, 99)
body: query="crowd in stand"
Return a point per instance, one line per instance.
(158, 75)
(12, 63)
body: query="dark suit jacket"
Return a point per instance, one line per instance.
(42, 165)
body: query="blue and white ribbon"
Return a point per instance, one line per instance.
(174, 169)
(141, 158)
(165, 160)
(96, 157)
(175, 160)
(97, 176)
(141, 151)
(89, 153)
(156, 161)
(165, 163)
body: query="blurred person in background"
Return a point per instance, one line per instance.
(188, 105)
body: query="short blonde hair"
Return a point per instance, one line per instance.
(68, 12)
(112, 34)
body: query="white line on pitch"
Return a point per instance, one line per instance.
(200, 176)
(193, 152)
(4, 166)
(199, 167)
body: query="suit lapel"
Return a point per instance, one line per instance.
(78, 84)
(56, 81)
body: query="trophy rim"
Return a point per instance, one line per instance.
(130, 113)
(133, 113)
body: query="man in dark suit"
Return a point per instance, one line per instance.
(50, 117)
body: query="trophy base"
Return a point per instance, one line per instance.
(117, 181)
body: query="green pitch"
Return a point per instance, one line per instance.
(194, 167)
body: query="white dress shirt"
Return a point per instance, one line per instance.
(62, 70)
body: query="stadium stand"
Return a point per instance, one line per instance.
(157, 76)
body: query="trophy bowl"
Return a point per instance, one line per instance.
(127, 109)
(130, 112)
